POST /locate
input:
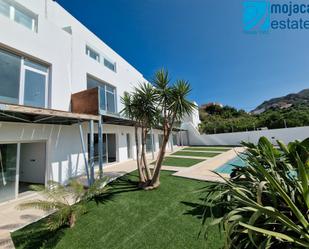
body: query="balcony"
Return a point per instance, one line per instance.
(95, 101)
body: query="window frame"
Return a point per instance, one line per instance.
(22, 84)
(13, 6)
(103, 85)
(101, 58)
(89, 49)
(22, 78)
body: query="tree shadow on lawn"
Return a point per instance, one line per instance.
(37, 235)
(202, 210)
(123, 184)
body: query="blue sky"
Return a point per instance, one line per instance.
(201, 41)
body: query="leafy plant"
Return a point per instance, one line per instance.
(266, 203)
(67, 203)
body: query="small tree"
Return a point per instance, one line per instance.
(68, 202)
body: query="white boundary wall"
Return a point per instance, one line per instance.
(286, 135)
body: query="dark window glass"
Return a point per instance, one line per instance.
(9, 77)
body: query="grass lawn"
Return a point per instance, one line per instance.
(180, 162)
(207, 149)
(169, 217)
(196, 153)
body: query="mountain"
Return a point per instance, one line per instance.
(293, 99)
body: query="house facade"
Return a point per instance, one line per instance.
(47, 57)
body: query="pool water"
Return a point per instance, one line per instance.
(228, 166)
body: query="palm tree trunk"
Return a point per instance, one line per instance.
(140, 171)
(143, 156)
(155, 182)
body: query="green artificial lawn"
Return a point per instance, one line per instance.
(169, 217)
(196, 153)
(180, 162)
(207, 149)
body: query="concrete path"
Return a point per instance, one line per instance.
(193, 157)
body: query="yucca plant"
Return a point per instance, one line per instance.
(266, 202)
(67, 203)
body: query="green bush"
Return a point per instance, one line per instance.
(266, 203)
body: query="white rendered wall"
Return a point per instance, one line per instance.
(65, 53)
(194, 118)
(286, 135)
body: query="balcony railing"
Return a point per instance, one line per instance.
(95, 101)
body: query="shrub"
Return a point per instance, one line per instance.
(266, 202)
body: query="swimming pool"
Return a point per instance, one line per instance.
(228, 166)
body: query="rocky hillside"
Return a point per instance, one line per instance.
(301, 98)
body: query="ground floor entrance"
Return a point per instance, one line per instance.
(21, 164)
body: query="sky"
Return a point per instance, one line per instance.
(201, 41)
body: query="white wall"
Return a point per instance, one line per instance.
(194, 118)
(65, 53)
(286, 135)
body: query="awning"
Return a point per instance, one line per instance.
(34, 115)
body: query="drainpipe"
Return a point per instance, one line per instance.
(171, 140)
(84, 151)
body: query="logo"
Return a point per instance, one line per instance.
(256, 16)
(264, 16)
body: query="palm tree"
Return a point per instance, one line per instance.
(67, 202)
(174, 105)
(146, 98)
(131, 111)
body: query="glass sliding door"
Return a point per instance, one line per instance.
(8, 162)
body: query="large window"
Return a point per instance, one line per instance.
(92, 53)
(19, 14)
(23, 81)
(107, 96)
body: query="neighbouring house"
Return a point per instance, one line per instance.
(60, 88)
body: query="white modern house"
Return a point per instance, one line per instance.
(60, 85)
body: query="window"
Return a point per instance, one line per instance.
(110, 65)
(9, 77)
(19, 14)
(92, 54)
(175, 139)
(99, 58)
(4, 9)
(35, 84)
(23, 81)
(109, 148)
(149, 138)
(107, 95)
